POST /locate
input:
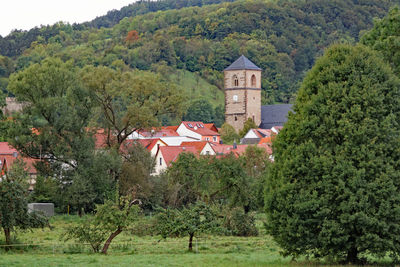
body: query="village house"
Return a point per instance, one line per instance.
(9, 156)
(198, 130)
(168, 154)
(202, 147)
(254, 136)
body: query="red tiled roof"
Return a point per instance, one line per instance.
(150, 143)
(163, 132)
(266, 140)
(171, 153)
(100, 138)
(199, 145)
(8, 161)
(173, 128)
(211, 126)
(6, 149)
(199, 127)
(239, 150)
(146, 143)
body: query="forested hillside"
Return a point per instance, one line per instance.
(282, 37)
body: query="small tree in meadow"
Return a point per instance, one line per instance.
(110, 220)
(190, 221)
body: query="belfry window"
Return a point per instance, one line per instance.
(235, 81)
(253, 81)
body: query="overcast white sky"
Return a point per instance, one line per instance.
(26, 14)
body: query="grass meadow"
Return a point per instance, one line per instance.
(43, 247)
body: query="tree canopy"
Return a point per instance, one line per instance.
(385, 38)
(333, 189)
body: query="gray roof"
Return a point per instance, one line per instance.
(242, 63)
(274, 115)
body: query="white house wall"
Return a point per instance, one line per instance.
(251, 134)
(207, 148)
(158, 169)
(154, 150)
(183, 131)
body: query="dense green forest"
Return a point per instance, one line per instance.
(282, 37)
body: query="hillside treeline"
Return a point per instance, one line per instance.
(282, 37)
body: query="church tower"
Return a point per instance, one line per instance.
(242, 93)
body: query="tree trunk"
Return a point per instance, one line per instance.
(352, 256)
(191, 242)
(8, 237)
(246, 209)
(108, 242)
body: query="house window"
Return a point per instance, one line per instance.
(235, 81)
(207, 152)
(253, 119)
(160, 161)
(214, 138)
(207, 139)
(235, 98)
(253, 81)
(235, 118)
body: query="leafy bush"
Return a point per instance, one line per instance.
(239, 223)
(87, 232)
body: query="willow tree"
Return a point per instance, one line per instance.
(334, 188)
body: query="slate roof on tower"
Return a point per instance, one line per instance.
(242, 63)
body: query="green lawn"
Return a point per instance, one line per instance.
(42, 247)
(196, 87)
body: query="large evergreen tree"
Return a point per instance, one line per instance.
(334, 188)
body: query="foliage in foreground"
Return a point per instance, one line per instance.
(14, 204)
(190, 221)
(110, 220)
(333, 190)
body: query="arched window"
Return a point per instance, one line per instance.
(235, 80)
(253, 81)
(235, 98)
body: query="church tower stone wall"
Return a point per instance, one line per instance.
(242, 82)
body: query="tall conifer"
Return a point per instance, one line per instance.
(334, 188)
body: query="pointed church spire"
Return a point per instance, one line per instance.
(242, 63)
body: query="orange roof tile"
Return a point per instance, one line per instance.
(223, 149)
(171, 153)
(211, 126)
(199, 145)
(8, 161)
(266, 140)
(6, 149)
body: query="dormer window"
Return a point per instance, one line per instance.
(253, 81)
(235, 81)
